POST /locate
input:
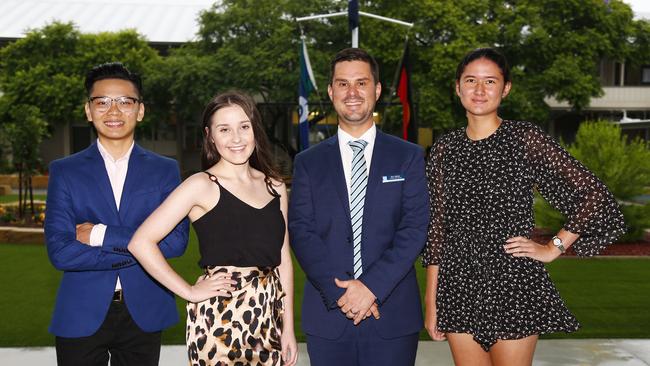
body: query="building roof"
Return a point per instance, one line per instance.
(159, 21)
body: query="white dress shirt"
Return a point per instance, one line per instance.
(347, 154)
(116, 170)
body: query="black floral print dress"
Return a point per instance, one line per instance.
(481, 194)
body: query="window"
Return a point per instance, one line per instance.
(645, 74)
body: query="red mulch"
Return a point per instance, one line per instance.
(638, 248)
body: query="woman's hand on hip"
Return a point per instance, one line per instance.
(219, 284)
(520, 246)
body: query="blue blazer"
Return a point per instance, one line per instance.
(79, 191)
(395, 222)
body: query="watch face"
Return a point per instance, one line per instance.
(557, 241)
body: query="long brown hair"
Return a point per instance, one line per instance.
(261, 158)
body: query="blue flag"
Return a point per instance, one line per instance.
(353, 14)
(306, 85)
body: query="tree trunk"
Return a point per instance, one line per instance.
(31, 194)
(21, 208)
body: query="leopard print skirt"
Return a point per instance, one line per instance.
(240, 330)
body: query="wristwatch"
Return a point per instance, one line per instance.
(557, 242)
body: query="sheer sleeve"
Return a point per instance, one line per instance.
(590, 208)
(435, 233)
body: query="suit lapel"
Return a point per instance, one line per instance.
(335, 166)
(134, 178)
(97, 169)
(374, 178)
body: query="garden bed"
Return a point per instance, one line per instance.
(9, 215)
(21, 235)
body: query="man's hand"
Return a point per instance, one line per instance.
(358, 302)
(83, 232)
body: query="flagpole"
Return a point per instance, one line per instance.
(342, 13)
(390, 20)
(321, 16)
(355, 32)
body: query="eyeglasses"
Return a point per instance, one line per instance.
(124, 104)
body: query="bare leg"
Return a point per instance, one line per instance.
(514, 352)
(466, 351)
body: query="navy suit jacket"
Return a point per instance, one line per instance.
(395, 222)
(79, 191)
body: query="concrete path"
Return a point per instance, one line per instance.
(579, 352)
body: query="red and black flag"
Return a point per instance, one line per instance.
(405, 94)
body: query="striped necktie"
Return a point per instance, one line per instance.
(358, 183)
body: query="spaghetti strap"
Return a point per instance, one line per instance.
(212, 177)
(269, 187)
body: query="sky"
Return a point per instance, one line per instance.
(639, 6)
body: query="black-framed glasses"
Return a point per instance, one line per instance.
(124, 104)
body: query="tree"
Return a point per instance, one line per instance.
(24, 133)
(554, 46)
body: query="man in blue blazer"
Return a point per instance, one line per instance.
(357, 221)
(107, 306)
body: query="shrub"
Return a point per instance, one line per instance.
(624, 166)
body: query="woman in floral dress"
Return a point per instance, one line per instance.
(487, 291)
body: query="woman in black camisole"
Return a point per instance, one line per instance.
(240, 311)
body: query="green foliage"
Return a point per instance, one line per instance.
(640, 47)
(42, 75)
(25, 131)
(624, 166)
(46, 69)
(637, 218)
(554, 47)
(183, 83)
(546, 216)
(256, 43)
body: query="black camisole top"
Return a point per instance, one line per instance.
(234, 233)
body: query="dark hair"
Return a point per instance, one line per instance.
(355, 54)
(112, 70)
(261, 158)
(487, 53)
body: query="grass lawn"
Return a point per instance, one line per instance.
(8, 198)
(610, 297)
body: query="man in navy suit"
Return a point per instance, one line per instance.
(357, 221)
(107, 306)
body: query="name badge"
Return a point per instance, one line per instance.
(392, 178)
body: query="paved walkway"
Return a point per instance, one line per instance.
(591, 352)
